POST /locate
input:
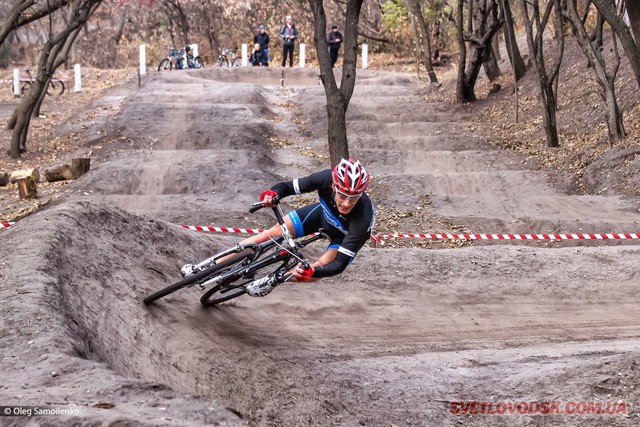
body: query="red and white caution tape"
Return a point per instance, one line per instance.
(434, 236)
(465, 236)
(223, 229)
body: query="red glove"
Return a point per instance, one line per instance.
(268, 193)
(305, 273)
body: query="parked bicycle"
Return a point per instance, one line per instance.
(55, 86)
(176, 59)
(242, 264)
(228, 58)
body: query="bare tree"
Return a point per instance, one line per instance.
(24, 12)
(414, 8)
(608, 10)
(633, 9)
(605, 78)
(517, 63)
(52, 56)
(337, 98)
(547, 75)
(482, 25)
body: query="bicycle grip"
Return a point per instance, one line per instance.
(258, 205)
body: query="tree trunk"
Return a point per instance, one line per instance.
(545, 79)
(607, 8)
(480, 40)
(426, 40)
(490, 64)
(462, 47)
(54, 53)
(337, 98)
(605, 80)
(633, 9)
(495, 46)
(515, 58)
(27, 188)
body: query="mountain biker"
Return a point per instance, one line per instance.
(345, 213)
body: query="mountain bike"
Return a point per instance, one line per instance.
(228, 58)
(171, 60)
(55, 85)
(240, 265)
(176, 58)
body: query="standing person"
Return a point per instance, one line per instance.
(288, 34)
(334, 40)
(262, 38)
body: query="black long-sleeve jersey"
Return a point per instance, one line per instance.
(348, 232)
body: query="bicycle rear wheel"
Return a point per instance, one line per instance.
(221, 293)
(56, 87)
(165, 65)
(200, 276)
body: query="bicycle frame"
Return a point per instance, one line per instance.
(289, 251)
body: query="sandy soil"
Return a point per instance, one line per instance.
(404, 332)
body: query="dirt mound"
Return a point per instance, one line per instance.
(71, 276)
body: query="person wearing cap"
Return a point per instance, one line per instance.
(288, 34)
(334, 40)
(262, 38)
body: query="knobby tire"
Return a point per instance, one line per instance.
(196, 277)
(56, 87)
(165, 65)
(197, 62)
(207, 301)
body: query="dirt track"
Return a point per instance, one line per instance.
(403, 332)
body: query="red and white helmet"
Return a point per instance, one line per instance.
(349, 177)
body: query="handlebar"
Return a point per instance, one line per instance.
(258, 205)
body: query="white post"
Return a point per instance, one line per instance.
(16, 82)
(245, 55)
(143, 60)
(365, 56)
(194, 48)
(303, 52)
(77, 87)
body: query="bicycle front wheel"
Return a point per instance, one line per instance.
(222, 61)
(200, 276)
(165, 65)
(197, 62)
(221, 293)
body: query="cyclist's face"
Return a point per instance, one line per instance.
(345, 202)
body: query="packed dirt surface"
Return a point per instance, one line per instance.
(397, 339)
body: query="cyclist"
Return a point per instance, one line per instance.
(345, 213)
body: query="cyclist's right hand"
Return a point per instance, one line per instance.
(267, 197)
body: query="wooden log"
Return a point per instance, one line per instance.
(4, 179)
(80, 166)
(58, 173)
(24, 173)
(27, 188)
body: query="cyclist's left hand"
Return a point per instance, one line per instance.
(267, 198)
(303, 272)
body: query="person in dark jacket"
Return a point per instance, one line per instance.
(262, 38)
(258, 57)
(288, 34)
(334, 40)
